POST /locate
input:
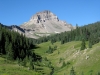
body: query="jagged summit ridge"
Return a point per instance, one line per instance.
(44, 16)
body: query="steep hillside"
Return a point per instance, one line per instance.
(86, 61)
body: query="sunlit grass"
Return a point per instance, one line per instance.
(70, 52)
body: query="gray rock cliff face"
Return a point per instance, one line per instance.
(43, 17)
(44, 23)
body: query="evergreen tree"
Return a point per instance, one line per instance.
(90, 43)
(50, 50)
(10, 54)
(6, 44)
(24, 62)
(55, 47)
(22, 55)
(63, 64)
(62, 42)
(18, 61)
(83, 45)
(72, 72)
(31, 65)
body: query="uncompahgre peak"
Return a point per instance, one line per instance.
(44, 23)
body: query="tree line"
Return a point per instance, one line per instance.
(90, 32)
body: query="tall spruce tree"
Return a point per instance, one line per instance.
(83, 44)
(31, 65)
(22, 55)
(72, 72)
(10, 53)
(90, 43)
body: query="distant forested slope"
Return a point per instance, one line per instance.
(90, 32)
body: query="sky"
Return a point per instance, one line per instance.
(81, 12)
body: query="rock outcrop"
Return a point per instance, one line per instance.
(44, 23)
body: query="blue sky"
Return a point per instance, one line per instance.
(81, 12)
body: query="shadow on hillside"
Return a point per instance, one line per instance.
(33, 54)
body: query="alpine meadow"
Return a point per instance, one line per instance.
(49, 37)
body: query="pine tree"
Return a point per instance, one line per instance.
(55, 47)
(10, 54)
(31, 65)
(72, 72)
(0, 41)
(18, 61)
(24, 62)
(50, 50)
(83, 45)
(22, 55)
(6, 45)
(63, 64)
(90, 43)
(62, 41)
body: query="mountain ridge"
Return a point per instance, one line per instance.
(45, 22)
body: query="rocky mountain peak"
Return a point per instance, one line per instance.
(44, 16)
(44, 23)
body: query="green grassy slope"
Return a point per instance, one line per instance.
(12, 68)
(87, 61)
(69, 53)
